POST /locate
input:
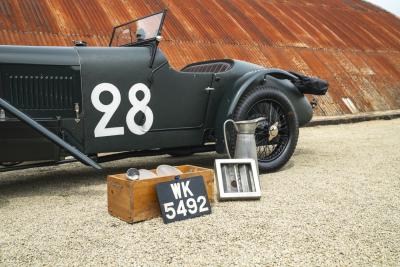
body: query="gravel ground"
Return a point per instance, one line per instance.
(335, 203)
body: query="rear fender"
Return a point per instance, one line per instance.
(266, 77)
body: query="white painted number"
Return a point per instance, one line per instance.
(181, 208)
(139, 106)
(169, 210)
(192, 206)
(203, 207)
(101, 129)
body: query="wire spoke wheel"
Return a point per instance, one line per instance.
(276, 136)
(269, 147)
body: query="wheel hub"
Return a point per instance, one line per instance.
(273, 131)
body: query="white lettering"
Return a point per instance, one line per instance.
(186, 189)
(176, 189)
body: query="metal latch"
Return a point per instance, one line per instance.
(2, 115)
(209, 89)
(77, 108)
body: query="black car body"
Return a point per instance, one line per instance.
(126, 97)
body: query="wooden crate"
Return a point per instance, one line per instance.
(135, 201)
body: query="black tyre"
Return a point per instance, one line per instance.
(276, 138)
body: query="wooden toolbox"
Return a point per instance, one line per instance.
(135, 201)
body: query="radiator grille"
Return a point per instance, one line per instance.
(40, 92)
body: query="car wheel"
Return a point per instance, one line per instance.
(276, 137)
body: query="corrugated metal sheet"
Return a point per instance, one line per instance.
(353, 44)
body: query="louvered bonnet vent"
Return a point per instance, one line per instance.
(42, 93)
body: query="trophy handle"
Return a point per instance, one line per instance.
(226, 140)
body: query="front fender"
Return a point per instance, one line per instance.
(265, 77)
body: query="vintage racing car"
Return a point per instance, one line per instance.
(126, 100)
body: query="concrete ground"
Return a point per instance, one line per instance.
(337, 202)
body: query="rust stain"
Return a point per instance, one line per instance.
(353, 44)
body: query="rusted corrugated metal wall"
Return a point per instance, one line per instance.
(352, 44)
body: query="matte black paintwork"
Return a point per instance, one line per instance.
(18, 141)
(183, 109)
(48, 134)
(178, 100)
(39, 55)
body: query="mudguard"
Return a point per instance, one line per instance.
(279, 79)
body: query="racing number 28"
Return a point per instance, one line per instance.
(101, 129)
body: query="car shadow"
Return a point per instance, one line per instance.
(75, 176)
(303, 151)
(4, 202)
(287, 166)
